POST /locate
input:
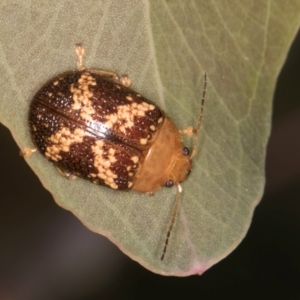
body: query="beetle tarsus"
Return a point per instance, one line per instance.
(125, 80)
(80, 51)
(27, 152)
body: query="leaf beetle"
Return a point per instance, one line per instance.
(89, 123)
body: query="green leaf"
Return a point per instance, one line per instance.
(164, 46)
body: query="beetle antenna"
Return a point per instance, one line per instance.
(196, 130)
(177, 201)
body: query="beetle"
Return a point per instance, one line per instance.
(89, 123)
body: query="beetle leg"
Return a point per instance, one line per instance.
(195, 132)
(27, 152)
(111, 75)
(189, 131)
(65, 173)
(124, 79)
(80, 51)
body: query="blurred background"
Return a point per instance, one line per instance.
(46, 253)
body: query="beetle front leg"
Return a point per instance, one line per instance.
(189, 131)
(195, 132)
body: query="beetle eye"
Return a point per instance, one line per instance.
(169, 183)
(186, 151)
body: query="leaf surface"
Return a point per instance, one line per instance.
(164, 46)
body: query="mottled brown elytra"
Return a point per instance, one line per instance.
(90, 124)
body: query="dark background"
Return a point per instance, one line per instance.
(46, 253)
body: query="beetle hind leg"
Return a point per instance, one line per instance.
(27, 152)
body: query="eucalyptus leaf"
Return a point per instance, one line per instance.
(164, 46)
